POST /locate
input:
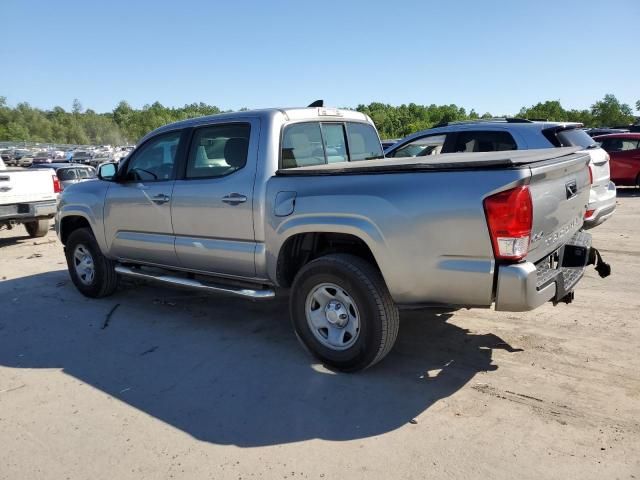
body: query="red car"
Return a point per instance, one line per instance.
(624, 150)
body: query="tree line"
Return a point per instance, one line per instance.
(125, 124)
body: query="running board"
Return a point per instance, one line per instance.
(195, 284)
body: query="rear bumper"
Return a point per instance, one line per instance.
(525, 286)
(603, 207)
(23, 212)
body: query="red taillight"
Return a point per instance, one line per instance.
(588, 214)
(57, 186)
(590, 175)
(509, 216)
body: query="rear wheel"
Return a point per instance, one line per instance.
(37, 228)
(343, 313)
(91, 272)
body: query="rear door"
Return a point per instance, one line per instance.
(212, 206)
(137, 210)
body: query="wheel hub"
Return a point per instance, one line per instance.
(336, 314)
(83, 263)
(332, 316)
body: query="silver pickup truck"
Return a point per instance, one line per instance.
(301, 200)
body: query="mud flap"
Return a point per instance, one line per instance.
(603, 268)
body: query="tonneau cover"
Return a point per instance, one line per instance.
(504, 159)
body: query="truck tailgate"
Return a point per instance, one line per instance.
(560, 194)
(24, 186)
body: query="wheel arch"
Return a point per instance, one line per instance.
(300, 248)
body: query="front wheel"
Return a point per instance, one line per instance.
(343, 313)
(37, 228)
(91, 272)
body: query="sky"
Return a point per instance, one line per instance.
(492, 56)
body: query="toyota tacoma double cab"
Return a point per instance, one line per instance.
(302, 201)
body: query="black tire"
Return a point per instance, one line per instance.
(37, 228)
(378, 315)
(105, 279)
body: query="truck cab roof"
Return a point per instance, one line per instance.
(289, 114)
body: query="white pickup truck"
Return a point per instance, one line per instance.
(28, 197)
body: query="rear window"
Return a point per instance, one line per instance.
(364, 143)
(318, 143)
(67, 174)
(568, 137)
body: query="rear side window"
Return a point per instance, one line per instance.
(86, 173)
(319, 143)
(568, 137)
(619, 144)
(218, 150)
(487, 141)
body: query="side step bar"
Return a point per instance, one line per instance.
(195, 284)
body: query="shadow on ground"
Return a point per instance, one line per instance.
(230, 371)
(627, 192)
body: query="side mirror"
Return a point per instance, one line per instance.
(107, 171)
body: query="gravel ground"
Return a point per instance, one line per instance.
(180, 385)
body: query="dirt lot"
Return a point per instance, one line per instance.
(180, 385)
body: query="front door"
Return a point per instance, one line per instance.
(137, 213)
(212, 207)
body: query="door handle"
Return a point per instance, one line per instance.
(160, 198)
(234, 199)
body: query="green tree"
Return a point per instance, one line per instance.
(609, 112)
(550, 110)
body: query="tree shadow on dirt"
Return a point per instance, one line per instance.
(230, 371)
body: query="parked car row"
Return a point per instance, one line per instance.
(90, 155)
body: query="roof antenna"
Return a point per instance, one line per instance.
(317, 103)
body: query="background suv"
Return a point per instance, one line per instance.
(517, 134)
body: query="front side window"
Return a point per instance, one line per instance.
(155, 160)
(619, 144)
(218, 150)
(421, 147)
